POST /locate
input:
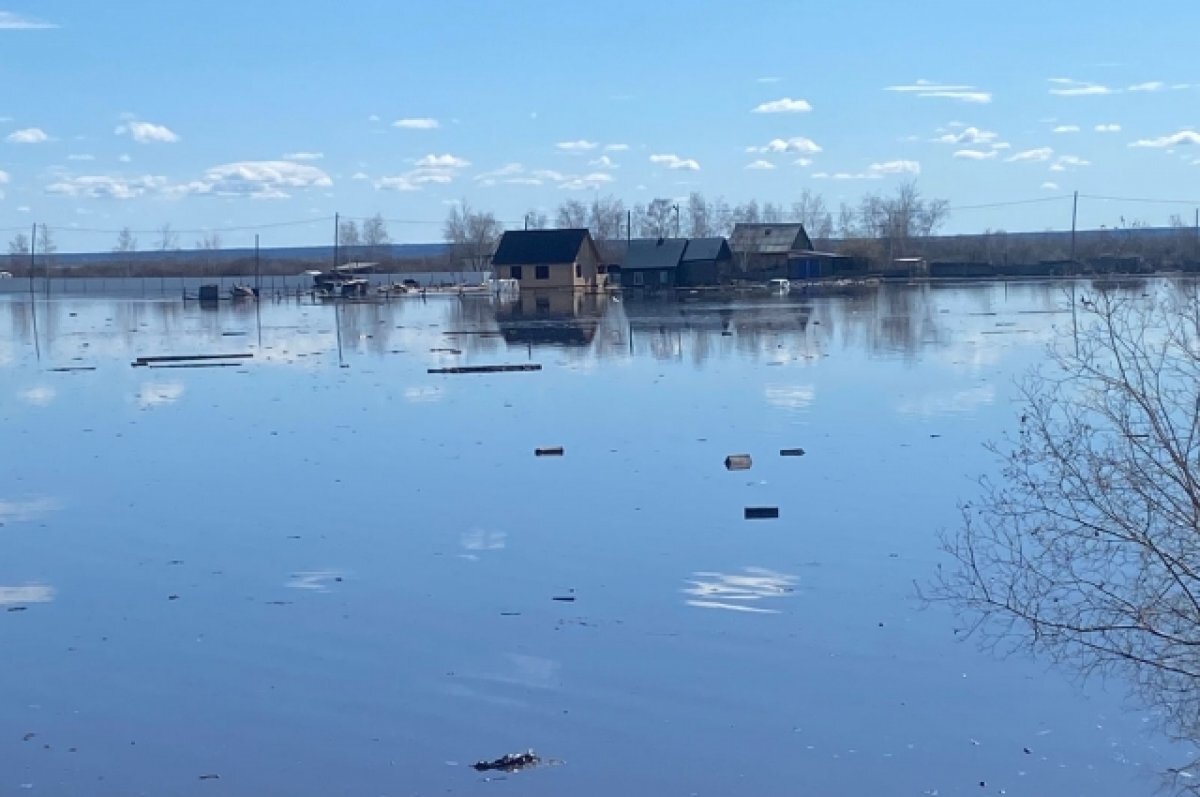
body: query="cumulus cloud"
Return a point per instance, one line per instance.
(582, 145)
(767, 79)
(304, 156)
(929, 88)
(970, 136)
(975, 154)
(1049, 186)
(675, 162)
(1039, 155)
(1108, 128)
(99, 186)
(586, 182)
(507, 170)
(4, 178)
(616, 147)
(446, 161)
(256, 179)
(421, 123)
(797, 144)
(803, 161)
(895, 167)
(1152, 85)
(81, 157)
(1184, 137)
(1065, 162)
(784, 105)
(30, 135)
(761, 165)
(1068, 87)
(1066, 129)
(603, 162)
(147, 133)
(396, 183)
(10, 20)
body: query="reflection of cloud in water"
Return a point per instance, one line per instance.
(424, 394)
(30, 593)
(315, 580)
(737, 591)
(27, 510)
(483, 540)
(38, 396)
(791, 397)
(158, 394)
(949, 403)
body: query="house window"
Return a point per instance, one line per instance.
(541, 272)
(663, 278)
(602, 269)
(639, 278)
(515, 272)
(578, 271)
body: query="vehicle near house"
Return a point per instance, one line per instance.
(6, 275)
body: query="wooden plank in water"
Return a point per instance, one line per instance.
(485, 369)
(761, 512)
(180, 358)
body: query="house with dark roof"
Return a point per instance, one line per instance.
(549, 259)
(763, 251)
(706, 261)
(652, 262)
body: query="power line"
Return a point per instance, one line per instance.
(1012, 203)
(184, 231)
(1189, 202)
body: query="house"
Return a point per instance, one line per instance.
(763, 251)
(549, 259)
(706, 261)
(652, 262)
(815, 265)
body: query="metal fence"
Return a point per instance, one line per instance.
(176, 287)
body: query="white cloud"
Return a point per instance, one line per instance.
(1048, 186)
(304, 156)
(1065, 162)
(969, 135)
(30, 135)
(1108, 128)
(961, 93)
(975, 154)
(1068, 87)
(147, 133)
(1038, 155)
(797, 144)
(256, 179)
(397, 183)
(81, 157)
(582, 145)
(761, 165)
(373, 118)
(446, 161)
(587, 181)
(507, 170)
(10, 20)
(895, 167)
(675, 162)
(784, 105)
(1153, 85)
(421, 123)
(803, 161)
(100, 186)
(616, 148)
(4, 177)
(1173, 140)
(847, 176)
(360, 176)
(603, 162)
(1066, 129)
(124, 158)
(768, 79)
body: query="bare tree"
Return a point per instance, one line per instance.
(657, 220)
(700, 222)
(810, 211)
(18, 251)
(349, 239)
(126, 246)
(746, 213)
(210, 244)
(772, 213)
(536, 220)
(47, 247)
(375, 236)
(571, 215)
(1087, 547)
(472, 235)
(168, 239)
(605, 217)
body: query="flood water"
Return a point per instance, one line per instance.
(324, 574)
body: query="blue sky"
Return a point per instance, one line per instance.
(234, 114)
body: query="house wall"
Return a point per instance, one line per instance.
(559, 275)
(650, 278)
(696, 273)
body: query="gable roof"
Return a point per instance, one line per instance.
(769, 239)
(654, 253)
(540, 247)
(706, 249)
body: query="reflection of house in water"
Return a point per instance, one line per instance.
(671, 328)
(551, 318)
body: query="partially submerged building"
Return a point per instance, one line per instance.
(549, 259)
(764, 251)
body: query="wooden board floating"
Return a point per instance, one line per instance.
(791, 452)
(762, 512)
(186, 358)
(738, 462)
(485, 369)
(548, 451)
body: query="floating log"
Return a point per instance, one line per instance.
(181, 358)
(791, 452)
(548, 451)
(197, 365)
(485, 369)
(66, 369)
(762, 512)
(738, 462)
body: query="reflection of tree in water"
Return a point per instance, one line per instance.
(1087, 549)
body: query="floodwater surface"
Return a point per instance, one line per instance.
(324, 572)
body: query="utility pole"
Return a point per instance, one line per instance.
(32, 261)
(526, 222)
(257, 270)
(337, 230)
(1197, 252)
(628, 226)
(676, 207)
(1074, 218)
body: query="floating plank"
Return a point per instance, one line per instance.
(181, 358)
(66, 369)
(762, 512)
(197, 365)
(791, 452)
(485, 369)
(548, 451)
(738, 462)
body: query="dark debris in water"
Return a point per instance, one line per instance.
(513, 762)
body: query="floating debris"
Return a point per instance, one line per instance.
(548, 451)
(142, 362)
(513, 762)
(761, 512)
(738, 462)
(485, 369)
(791, 452)
(210, 777)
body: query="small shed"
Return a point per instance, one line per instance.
(653, 262)
(762, 251)
(706, 261)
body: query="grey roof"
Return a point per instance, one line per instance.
(654, 253)
(706, 249)
(540, 247)
(769, 239)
